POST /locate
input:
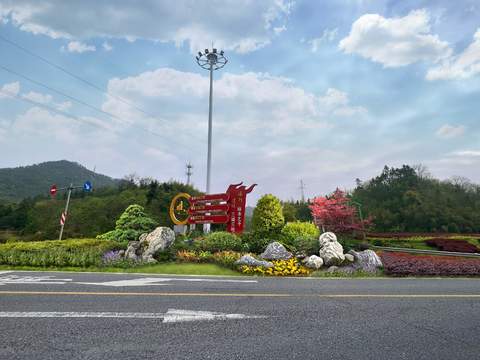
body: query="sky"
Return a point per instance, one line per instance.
(320, 91)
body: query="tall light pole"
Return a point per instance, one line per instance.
(210, 60)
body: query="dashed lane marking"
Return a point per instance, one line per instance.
(171, 316)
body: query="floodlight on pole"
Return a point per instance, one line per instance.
(210, 61)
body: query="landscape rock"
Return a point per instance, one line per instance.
(159, 239)
(366, 260)
(349, 258)
(331, 251)
(276, 251)
(313, 262)
(332, 269)
(132, 251)
(251, 261)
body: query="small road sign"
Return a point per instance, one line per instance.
(53, 190)
(87, 186)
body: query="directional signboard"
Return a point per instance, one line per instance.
(227, 208)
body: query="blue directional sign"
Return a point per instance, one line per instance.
(87, 186)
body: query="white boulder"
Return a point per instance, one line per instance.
(313, 262)
(331, 251)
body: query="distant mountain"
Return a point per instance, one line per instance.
(28, 181)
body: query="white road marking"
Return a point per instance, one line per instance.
(171, 316)
(5, 272)
(154, 281)
(14, 279)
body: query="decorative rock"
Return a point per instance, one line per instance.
(132, 249)
(251, 261)
(276, 251)
(332, 269)
(159, 239)
(366, 260)
(331, 251)
(313, 262)
(349, 258)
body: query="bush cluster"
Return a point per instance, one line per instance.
(221, 241)
(291, 267)
(402, 264)
(75, 252)
(452, 245)
(223, 258)
(130, 225)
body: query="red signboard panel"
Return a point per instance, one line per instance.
(208, 208)
(228, 208)
(208, 198)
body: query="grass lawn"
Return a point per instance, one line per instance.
(162, 268)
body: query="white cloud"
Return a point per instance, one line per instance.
(467, 153)
(37, 97)
(450, 131)
(327, 36)
(239, 25)
(107, 47)
(242, 102)
(79, 47)
(461, 66)
(9, 90)
(395, 42)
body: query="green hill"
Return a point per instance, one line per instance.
(29, 181)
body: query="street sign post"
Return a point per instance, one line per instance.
(87, 186)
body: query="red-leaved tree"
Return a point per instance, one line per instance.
(335, 213)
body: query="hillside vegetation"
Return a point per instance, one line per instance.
(30, 181)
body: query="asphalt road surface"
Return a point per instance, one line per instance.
(52, 315)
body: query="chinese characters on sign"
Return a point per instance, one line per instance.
(227, 208)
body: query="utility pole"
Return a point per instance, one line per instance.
(302, 189)
(87, 186)
(63, 219)
(189, 172)
(210, 60)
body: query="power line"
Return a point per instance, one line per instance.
(79, 101)
(89, 83)
(60, 112)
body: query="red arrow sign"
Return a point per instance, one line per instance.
(53, 190)
(208, 219)
(207, 198)
(200, 209)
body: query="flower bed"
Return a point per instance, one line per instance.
(452, 245)
(402, 264)
(397, 235)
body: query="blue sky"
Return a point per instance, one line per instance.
(324, 91)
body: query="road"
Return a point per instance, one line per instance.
(52, 315)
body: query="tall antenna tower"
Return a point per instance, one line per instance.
(302, 189)
(189, 172)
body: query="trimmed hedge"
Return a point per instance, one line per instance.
(403, 264)
(73, 252)
(453, 245)
(221, 241)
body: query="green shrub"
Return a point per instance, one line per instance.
(221, 241)
(267, 218)
(305, 244)
(130, 225)
(74, 252)
(294, 230)
(255, 242)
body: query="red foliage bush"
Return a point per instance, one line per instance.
(335, 213)
(401, 264)
(392, 235)
(452, 245)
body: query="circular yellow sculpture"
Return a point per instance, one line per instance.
(179, 209)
